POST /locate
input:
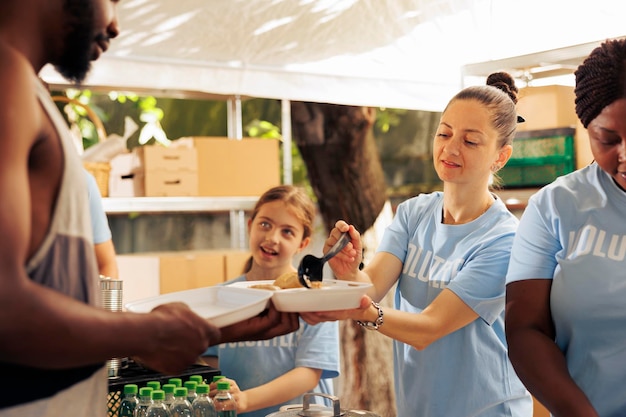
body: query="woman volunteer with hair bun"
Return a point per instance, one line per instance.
(566, 284)
(448, 253)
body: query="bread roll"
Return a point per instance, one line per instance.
(288, 280)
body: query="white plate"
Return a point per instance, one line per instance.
(334, 295)
(221, 305)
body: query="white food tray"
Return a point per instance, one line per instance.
(334, 295)
(221, 305)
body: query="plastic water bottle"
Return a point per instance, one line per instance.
(157, 408)
(191, 391)
(169, 394)
(176, 381)
(153, 384)
(203, 405)
(180, 407)
(198, 378)
(129, 401)
(145, 400)
(225, 404)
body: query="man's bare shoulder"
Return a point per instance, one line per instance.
(18, 85)
(13, 63)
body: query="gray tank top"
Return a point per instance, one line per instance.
(65, 261)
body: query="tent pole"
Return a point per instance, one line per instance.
(238, 238)
(286, 138)
(235, 122)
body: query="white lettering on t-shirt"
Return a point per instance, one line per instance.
(589, 240)
(426, 267)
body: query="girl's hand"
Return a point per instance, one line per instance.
(345, 264)
(239, 395)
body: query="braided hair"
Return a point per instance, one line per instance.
(600, 79)
(500, 96)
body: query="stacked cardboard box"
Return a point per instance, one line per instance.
(227, 167)
(154, 273)
(169, 171)
(209, 167)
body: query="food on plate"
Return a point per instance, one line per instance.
(266, 287)
(288, 280)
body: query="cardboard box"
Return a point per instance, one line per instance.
(154, 273)
(234, 263)
(169, 172)
(171, 183)
(140, 276)
(184, 270)
(228, 167)
(546, 107)
(160, 158)
(126, 177)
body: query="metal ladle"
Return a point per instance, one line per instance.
(310, 268)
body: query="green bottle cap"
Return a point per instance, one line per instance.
(145, 391)
(153, 384)
(218, 377)
(176, 381)
(198, 378)
(223, 385)
(202, 389)
(191, 385)
(169, 388)
(131, 389)
(180, 392)
(158, 394)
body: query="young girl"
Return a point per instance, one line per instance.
(268, 374)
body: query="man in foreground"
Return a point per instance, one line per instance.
(52, 334)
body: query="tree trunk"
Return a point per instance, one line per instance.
(338, 148)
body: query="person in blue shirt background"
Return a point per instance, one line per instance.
(102, 238)
(448, 254)
(566, 284)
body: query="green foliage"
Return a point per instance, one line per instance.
(388, 118)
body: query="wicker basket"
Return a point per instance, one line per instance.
(100, 170)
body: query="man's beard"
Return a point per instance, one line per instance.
(75, 60)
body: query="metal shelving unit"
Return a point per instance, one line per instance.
(118, 205)
(236, 206)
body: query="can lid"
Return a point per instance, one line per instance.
(108, 283)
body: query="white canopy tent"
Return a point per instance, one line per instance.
(411, 54)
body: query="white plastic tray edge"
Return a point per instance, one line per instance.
(336, 295)
(221, 305)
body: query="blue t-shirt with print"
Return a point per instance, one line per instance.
(574, 233)
(467, 372)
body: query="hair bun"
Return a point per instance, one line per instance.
(504, 82)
